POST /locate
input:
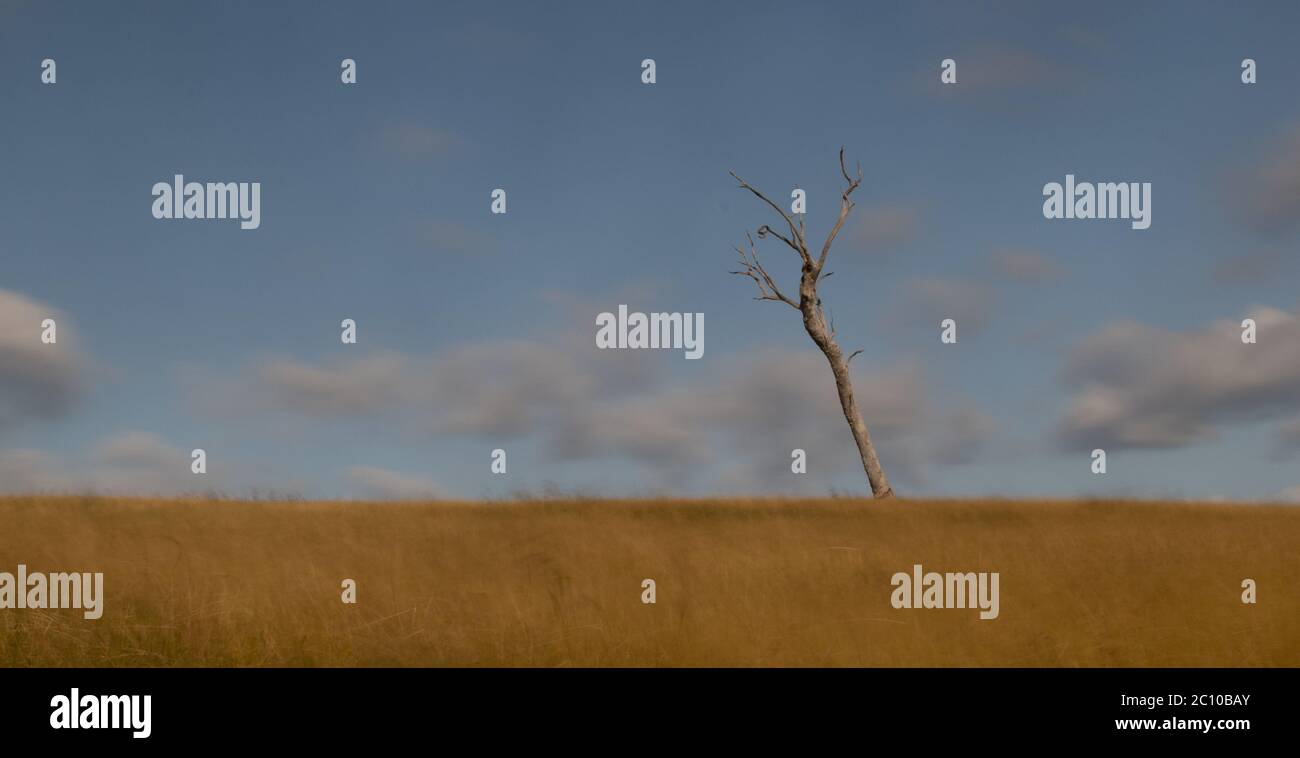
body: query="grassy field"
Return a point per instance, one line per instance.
(740, 583)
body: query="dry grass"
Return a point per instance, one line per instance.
(740, 583)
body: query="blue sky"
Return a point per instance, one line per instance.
(375, 206)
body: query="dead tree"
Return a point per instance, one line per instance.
(810, 305)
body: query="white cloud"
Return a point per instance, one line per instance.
(1024, 265)
(416, 141)
(28, 472)
(37, 381)
(1288, 434)
(127, 463)
(578, 404)
(136, 448)
(962, 436)
(1290, 494)
(1140, 386)
(391, 485)
(1267, 195)
(998, 69)
(454, 237)
(883, 227)
(924, 303)
(341, 389)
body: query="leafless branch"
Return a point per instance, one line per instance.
(765, 230)
(852, 356)
(752, 268)
(795, 232)
(846, 205)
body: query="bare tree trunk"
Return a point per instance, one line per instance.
(815, 324)
(810, 305)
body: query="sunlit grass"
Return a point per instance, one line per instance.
(740, 583)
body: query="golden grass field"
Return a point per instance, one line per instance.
(740, 583)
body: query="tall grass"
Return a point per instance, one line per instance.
(740, 583)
